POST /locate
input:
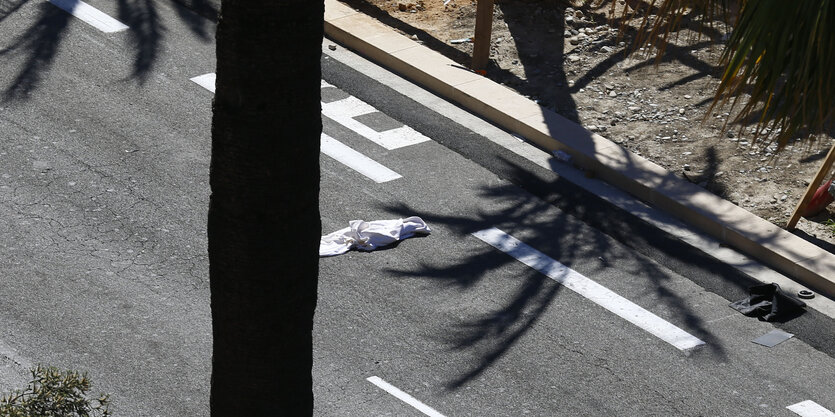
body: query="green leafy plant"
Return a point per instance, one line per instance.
(777, 57)
(55, 393)
(831, 225)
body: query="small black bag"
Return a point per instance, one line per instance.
(768, 303)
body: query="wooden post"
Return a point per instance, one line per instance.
(813, 186)
(483, 29)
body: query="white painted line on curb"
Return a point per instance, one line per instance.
(356, 161)
(343, 111)
(89, 14)
(595, 292)
(402, 396)
(206, 81)
(810, 408)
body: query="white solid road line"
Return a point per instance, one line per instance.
(402, 396)
(343, 111)
(356, 161)
(89, 14)
(595, 292)
(206, 81)
(810, 408)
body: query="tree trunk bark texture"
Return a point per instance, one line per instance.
(264, 223)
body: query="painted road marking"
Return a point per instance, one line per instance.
(810, 408)
(356, 161)
(89, 14)
(206, 81)
(344, 111)
(595, 292)
(402, 396)
(330, 146)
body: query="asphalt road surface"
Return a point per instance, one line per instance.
(531, 296)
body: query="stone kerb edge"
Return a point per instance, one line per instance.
(596, 163)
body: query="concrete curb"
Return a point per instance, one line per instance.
(730, 224)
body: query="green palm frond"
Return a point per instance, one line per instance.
(779, 55)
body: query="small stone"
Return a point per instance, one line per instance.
(681, 110)
(613, 94)
(687, 153)
(686, 167)
(415, 38)
(593, 128)
(570, 83)
(573, 57)
(332, 47)
(574, 40)
(688, 96)
(731, 134)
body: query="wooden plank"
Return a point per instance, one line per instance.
(823, 172)
(483, 30)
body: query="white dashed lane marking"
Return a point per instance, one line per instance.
(589, 289)
(402, 396)
(206, 81)
(89, 14)
(344, 111)
(332, 147)
(356, 161)
(810, 408)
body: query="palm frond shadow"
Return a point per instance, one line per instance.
(489, 336)
(42, 40)
(146, 32)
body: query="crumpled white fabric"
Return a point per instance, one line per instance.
(367, 236)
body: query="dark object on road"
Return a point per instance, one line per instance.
(768, 303)
(806, 294)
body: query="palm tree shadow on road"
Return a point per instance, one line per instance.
(490, 336)
(41, 42)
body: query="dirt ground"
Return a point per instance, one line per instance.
(573, 61)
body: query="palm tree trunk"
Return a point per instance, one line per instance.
(264, 224)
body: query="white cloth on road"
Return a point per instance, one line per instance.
(368, 236)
